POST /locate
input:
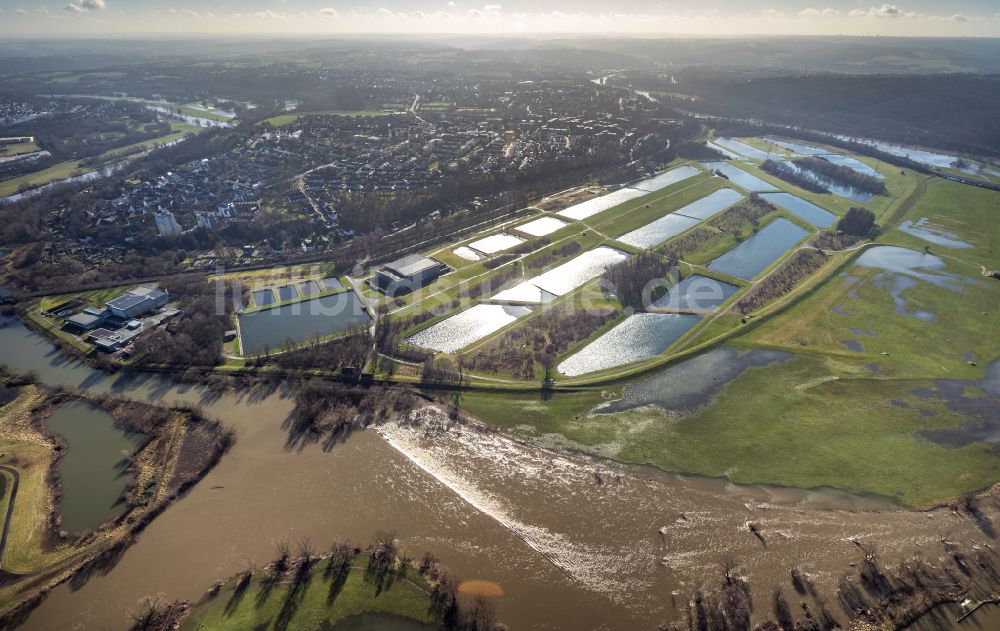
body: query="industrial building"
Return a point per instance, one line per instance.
(409, 273)
(137, 302)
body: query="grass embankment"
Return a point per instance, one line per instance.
(322, 603)
(30, 453)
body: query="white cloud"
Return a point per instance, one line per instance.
(329, 12)
(492, 8)
(887, 11)
(194, 14)
(267, 15)
(87, 5)
(815, 13)
(22, 12)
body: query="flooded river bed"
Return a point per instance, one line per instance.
(573, 542)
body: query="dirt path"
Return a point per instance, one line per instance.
(10, 509)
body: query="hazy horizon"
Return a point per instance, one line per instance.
(916, 18)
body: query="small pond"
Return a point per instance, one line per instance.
(640, 336)
(495, 243)
(711, 205)
(804, 210)
(464, 328)
(333, 284)
(742, 148)
(696, 292)
(286, 292)
(92, 473)
(600, 204)
(667, 178)
(576, 272)
(309, 288)
(656, 232)
(754, 255)
(681, 220)
(741, 178)
(542, 226)
(301, 321)
(263, 297)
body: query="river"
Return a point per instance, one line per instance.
(573, 542)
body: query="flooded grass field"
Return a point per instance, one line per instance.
(924, 229)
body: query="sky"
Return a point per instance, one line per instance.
(975, 18)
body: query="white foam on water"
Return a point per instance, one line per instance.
(453, 457)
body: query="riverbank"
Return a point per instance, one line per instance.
(312, 592)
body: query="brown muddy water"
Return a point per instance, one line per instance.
(572, 542)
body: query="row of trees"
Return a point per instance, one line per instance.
(630, 278)
(351, 350)
(329, 411)
(538, 341)
(800, 266)
(545, 259)
(790, 175)
(843, 175)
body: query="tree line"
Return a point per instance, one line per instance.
(843, 175)
(792, 176)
